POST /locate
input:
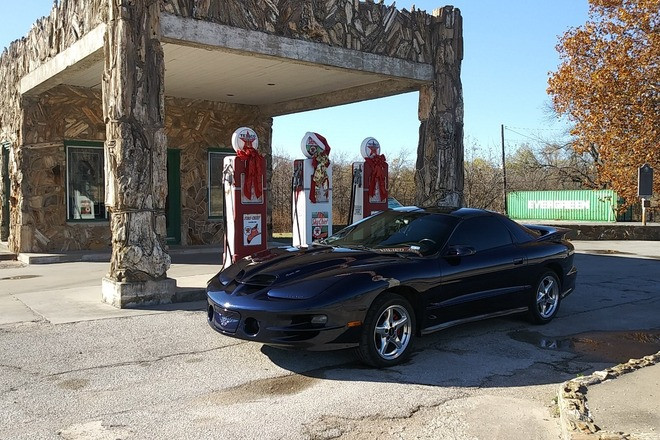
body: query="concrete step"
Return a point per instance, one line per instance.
(5, 253)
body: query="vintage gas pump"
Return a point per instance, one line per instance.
(370, 183)
(312, 191)
(245, 198)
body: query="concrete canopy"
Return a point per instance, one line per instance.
(210, 61)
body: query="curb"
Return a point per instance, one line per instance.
(101, 256)
(7, 256)
(5, 253)
(575, 417)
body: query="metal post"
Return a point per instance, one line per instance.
(643, 212)
(504, 172)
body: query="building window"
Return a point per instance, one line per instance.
(85, 182)
(215, 174)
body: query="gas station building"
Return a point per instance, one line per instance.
(116, 115)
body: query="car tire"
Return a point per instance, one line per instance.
(388, 332)
(545, 298)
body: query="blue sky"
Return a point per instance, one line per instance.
(509, 50)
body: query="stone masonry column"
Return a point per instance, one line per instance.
(4, 193)
(439, 169)
(135, 155)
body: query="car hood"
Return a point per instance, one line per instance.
(310, 270)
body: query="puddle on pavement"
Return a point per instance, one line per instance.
(258, 389)
(20, 277)
(614, 347)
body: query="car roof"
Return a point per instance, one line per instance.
(455, 212)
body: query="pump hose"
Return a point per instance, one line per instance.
(351, 210)
(294, 201)
(227, 247)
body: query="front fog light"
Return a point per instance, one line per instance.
(319, 319)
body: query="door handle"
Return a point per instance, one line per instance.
(518, 261)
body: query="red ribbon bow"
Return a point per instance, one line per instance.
(378, 166)
(253, 169)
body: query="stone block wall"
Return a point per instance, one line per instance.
(68, 114)
(68, 21)
(193, 127)
(62, 114)
(361, 25)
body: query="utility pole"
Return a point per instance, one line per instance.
(506, 210)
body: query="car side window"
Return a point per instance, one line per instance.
(481, 233)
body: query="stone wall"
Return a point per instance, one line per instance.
(4, 194)
(67, 23)
(70, 113)
(194, 127)
(361, 25)
(62, 113)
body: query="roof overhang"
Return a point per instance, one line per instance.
(210, 61)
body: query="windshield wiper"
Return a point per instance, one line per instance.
(359, 247)
(400, 250)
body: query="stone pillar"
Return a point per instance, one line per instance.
(135, 155)
(439, 169)
(4, 191)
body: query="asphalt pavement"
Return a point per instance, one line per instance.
(620, 402)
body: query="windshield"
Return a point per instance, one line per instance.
(418, 231)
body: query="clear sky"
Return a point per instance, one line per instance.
(509, 50)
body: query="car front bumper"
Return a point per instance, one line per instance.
(286, 328)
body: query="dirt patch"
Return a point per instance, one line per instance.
(73, 384)
(259, 389)
(11, 264)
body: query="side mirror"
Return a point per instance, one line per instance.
(459, 250)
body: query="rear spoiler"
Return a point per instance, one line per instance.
(549, 233)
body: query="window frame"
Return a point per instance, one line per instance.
(223, 152)
(70, 145)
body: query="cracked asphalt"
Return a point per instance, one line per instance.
(167, 375)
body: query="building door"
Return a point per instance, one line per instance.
(4, 175)
(173, 200)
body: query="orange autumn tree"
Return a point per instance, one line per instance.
(608, 85)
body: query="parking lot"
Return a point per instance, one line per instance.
(163, 373)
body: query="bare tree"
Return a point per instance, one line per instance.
(342, 178)
(483, 179)
(401, 171)
(280, 192)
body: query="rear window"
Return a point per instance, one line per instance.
(521, 233)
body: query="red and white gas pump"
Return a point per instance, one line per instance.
(312, 191)
(370, 182)
(246, 198)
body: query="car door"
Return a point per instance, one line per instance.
(484, 282)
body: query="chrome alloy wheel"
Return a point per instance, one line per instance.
(392, 332)
(547, 296)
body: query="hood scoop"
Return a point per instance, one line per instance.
(259, 279)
